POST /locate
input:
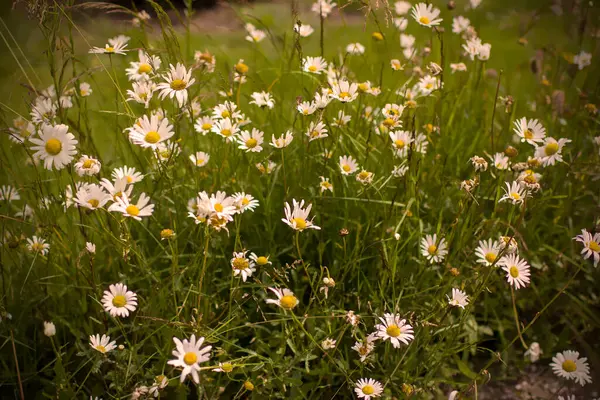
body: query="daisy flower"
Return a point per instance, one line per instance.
(141, 92)
(118, 301)
(115, 45)
(306, 108)
(426, 14)
(396, 65)
(479, 163)
(458, 298)
(517, 270)
(135, 211)
(530, 131)
(316, 130)
(400, 170)
(102, 344)
(149, 132)
(365, 347)
(322, 100)
(55, 146)
(85, 89)
(285, 298)
(355, 48)
(550, 151)
(297, 218)
(9, 193)
(87, 165)
(262, 99)
(328, 344)
(509, 243)
(92, 197)
(402, 7)
(129, 173)
(90, 247)
(460, 24)
(323, 7)
(348, 165)
(43, 111)
(458, 67)
(534, 352)
(49, 329)
(428, 84)
(582, 60)
(188, 355)
(204, 125)
(177, 80)
(225, 128)
(401, 141)
(487, 252)
(500, 161)
(206, 60)
(21, 131)
(368, 388)
(568, 365)
(314, 65)
(200, 159)
(341, 119)
(244, 202)
(38, 245)
(242, 265)
(344, 91)
(254, 35)
(325, 185)
(365, 177)
(283, 141)
(394, 328)
(260, 260)
(218, 204)
(251, 142)
(226, 367)
(303, 30)
(433, 250)
(514, 193)
(144, 68)
(591, 245)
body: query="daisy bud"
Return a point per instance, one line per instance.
(454, 271)
(511, 152)
(377, 36)
(166, 234)
(249, 386)
(344, 232)
(121, 347)
(49, 329)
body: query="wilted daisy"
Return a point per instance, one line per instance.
(303, 30)
(517, 270)
(487, 252)
(38, 245)
(135, 211)
(118, 301)
(115, 45)
(90, 247)
(426, 14)
(316, 130)
(550, 152)
(87, 165)
(365, 177)
(325, 185)
(568, 365)
(262, 99)
(508, 243)
(458, 298)
(225, 128)
(394, 328)
(328, 344)
(534, 352)
(9, 193)
(365, 347)
(200, 159)
(530, 131)
(188, 355)
(177, 80)
(144, 68)
(355, 48)
(314, 65)
(344, 91)
(242, 265)
(433, 250)
(479, 163)
(251, 142)
(348, 165)
(149, 132)
(141, 92)
(591, 245)
(129, 173)
(297, 217)
(91, 196)
(368, 388)
(244, 202)
(458, 67)
(285, 298)
(283, 141)
(205, 60)
(55, 146)
(401, 141)
(102, 344)
(514, 193)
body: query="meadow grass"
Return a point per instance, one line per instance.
(439, 164)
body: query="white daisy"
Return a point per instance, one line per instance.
(9, 193)
(297, 218)
(91, 196)
(217, 205)
(21, 130)
(550, 152)
(458, 299)
(366, 346)
(534, 352)
(500, 161)
(204, 125)
(118, 301)
(115, 45)
(314, 65)
(85, 89)
(323, 7)
(242, 265)
(426, 14)
(188, 355)
(460, 24)
(177, 80)
(200, 159)
(43, 111)
(348, 165)
(306, 108)
(582, 60)
(225, 128)
(530, 131)
(368, 388)
(479, 163)
(143, 69)
(285, 298)
(56, 146)
(365, 177)
(149, 132)
(135, 211)
(400, 170)
(458, 67)
(325, 185)
(514, 193)
(38, 245)
(394, 328)
(102, 344)
(401, 141)
(262, 99)
(487, 252)
(90, 247)
(141, 92)
(283, 141)
(205, 60)
(517, 270)
(251, 142)
(433, 250)
(129, 173)
(328, 344)
(344, 91)
(341, 119)
(568, 365)
(355, 48)
(244, 202)
(316, 130)
(254, 35)
(87, 166)
(591, 245)
(396, 65)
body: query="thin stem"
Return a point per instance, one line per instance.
(514, 303)
(203, 270)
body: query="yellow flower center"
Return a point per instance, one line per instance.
(225, 114)
(262, 260)
(363, 87)
(119, 301)
(152, 137)
(429, 85)
(241, 68)
(101, 348)
(240, 264)
(314, 134)
(88, 164)
(530, 179)
(363, 175)
(424, 20)
(515, 196)
(346, 168)
(399, 143)
(393, 330)
(594, 246)
(94, 203)
(245, 201)
(109, 49)
(178, 84)
(344, 95)
(166, 233)
(206, 126)
(528, 134)
(312, 68)
(37, 246)
(190, 358)
(144, 68)
(514, 271)
(368, 390)
(569, 366)
(432, 249)
(300, 223)
(251, 143)
(218, 207)
(248, 385)
(490, 257)
(288, 301)
(132, 210)
(410, 104)
(53, 146)
(226, 132)
(227, 367)
(363, 350)
(551, 149)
